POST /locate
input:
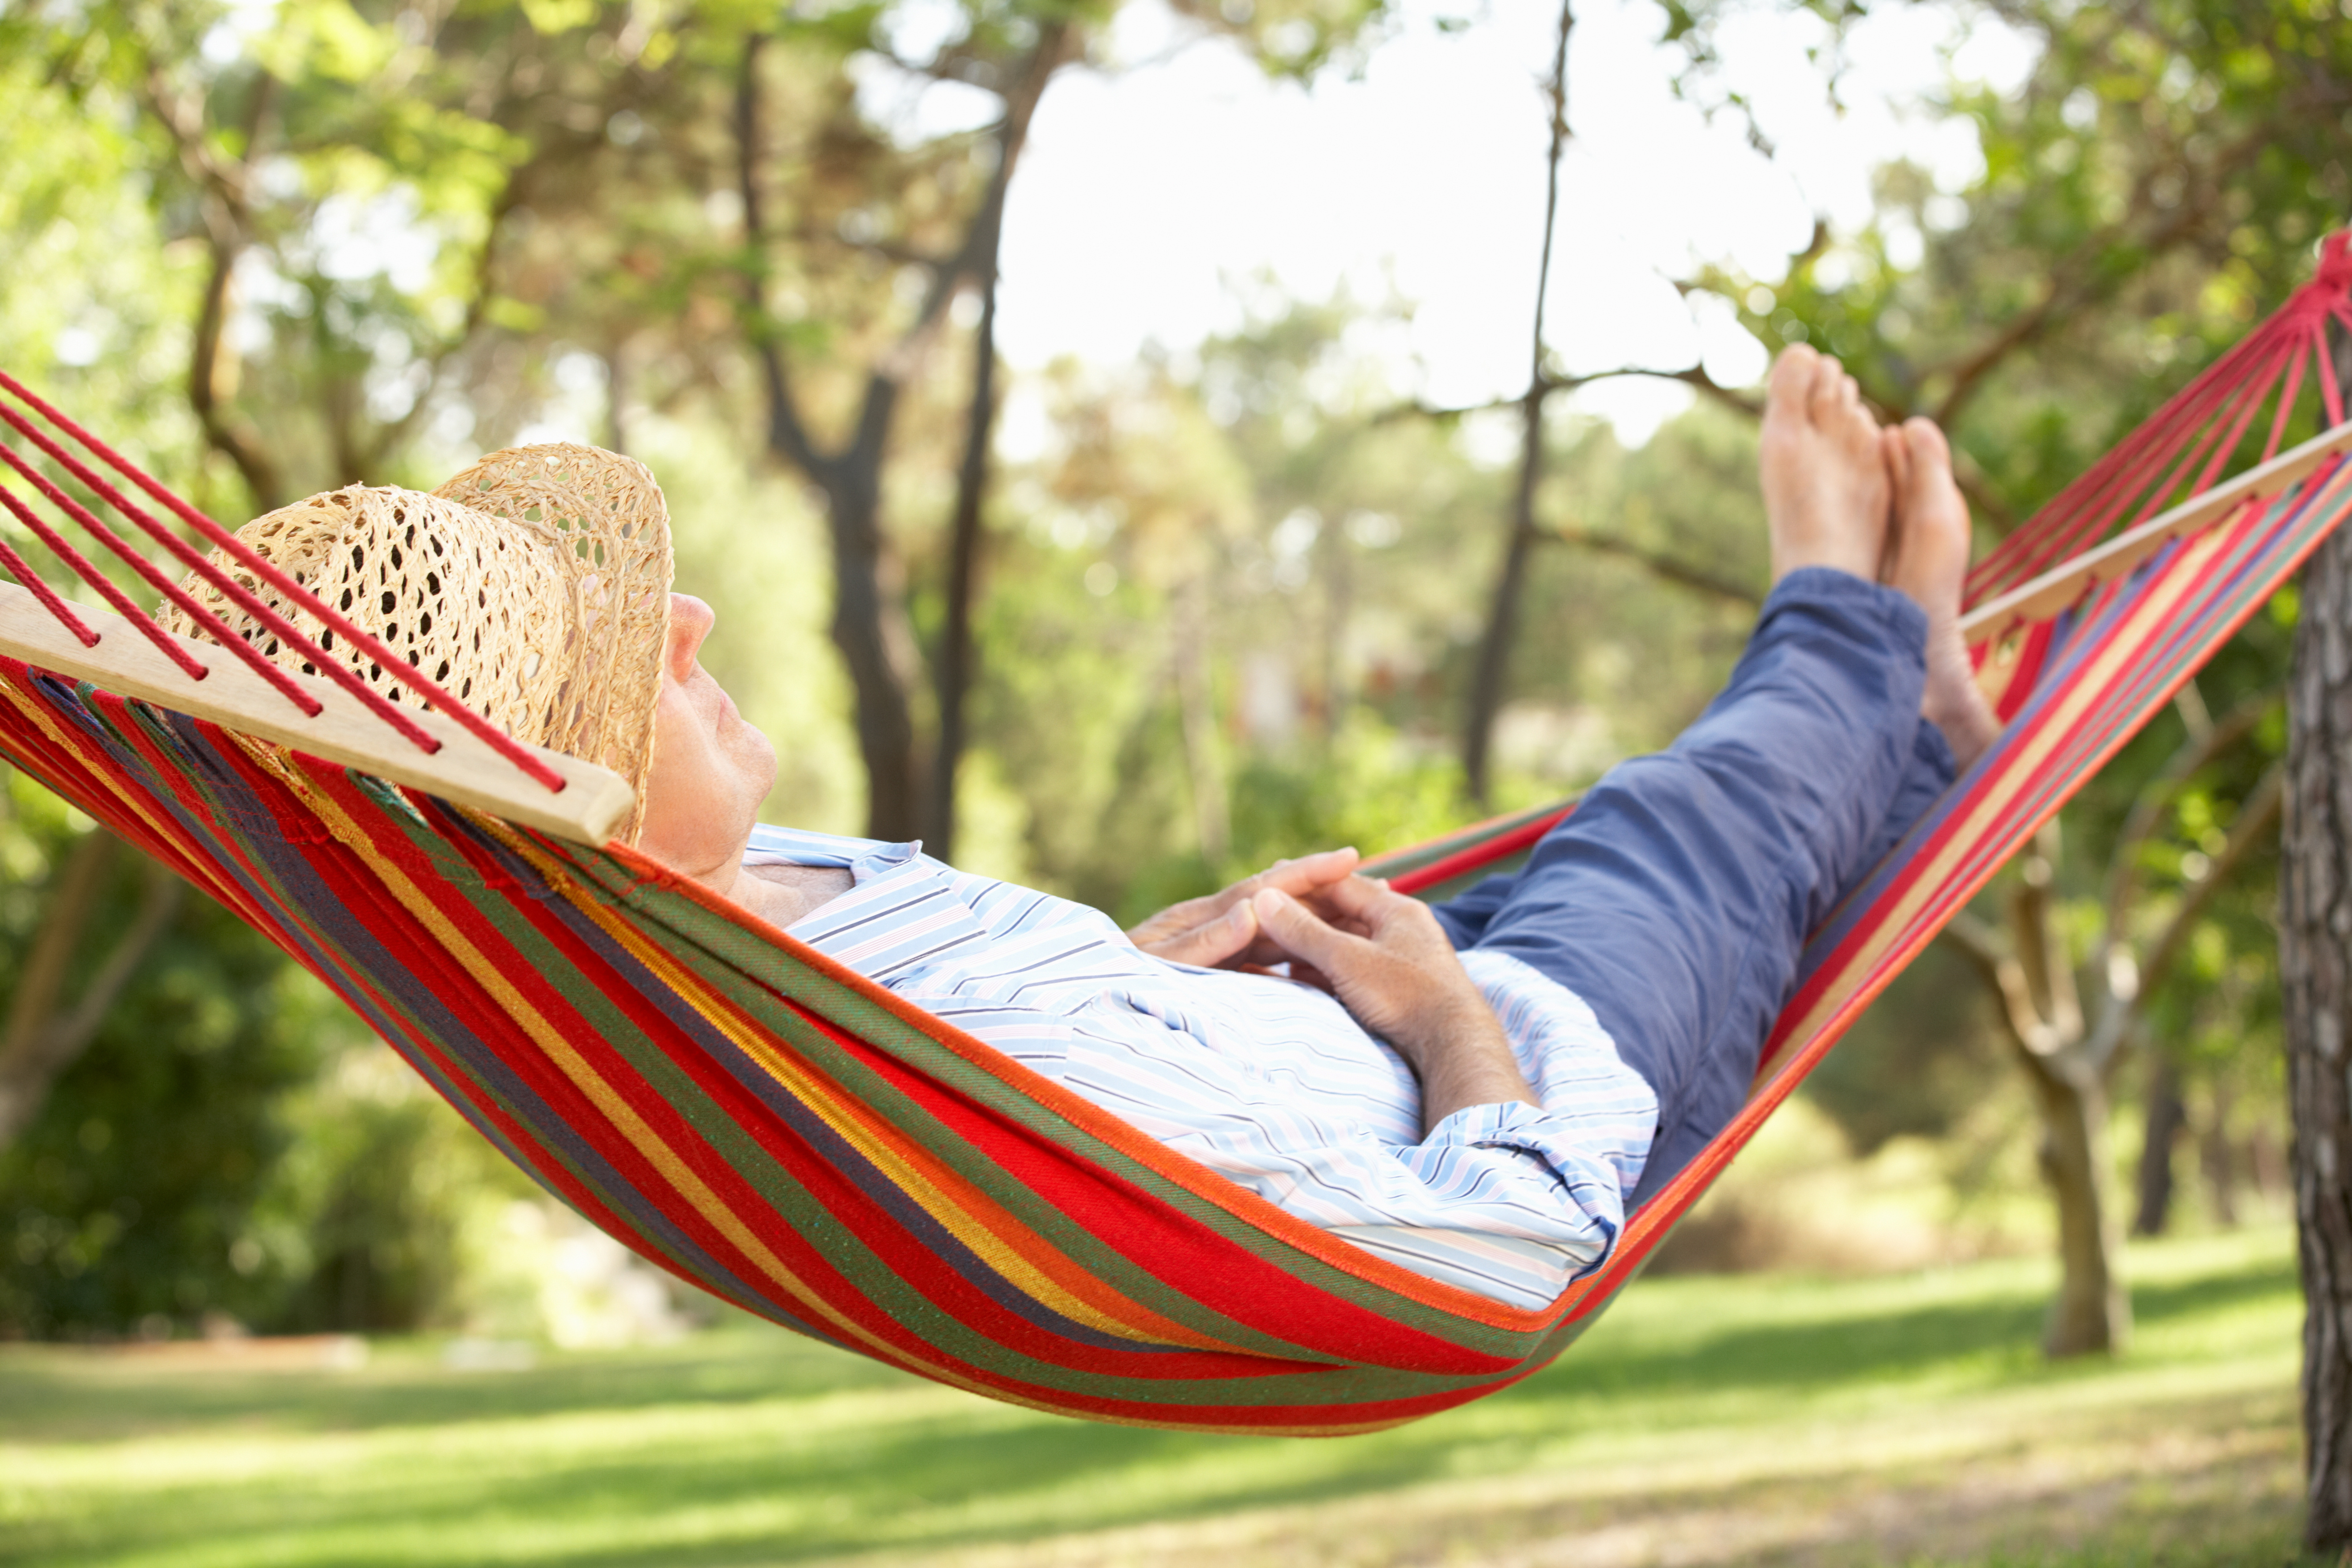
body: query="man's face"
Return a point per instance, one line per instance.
(711, 769)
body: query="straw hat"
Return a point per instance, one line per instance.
(534, 587)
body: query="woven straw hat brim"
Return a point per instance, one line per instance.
(534, 587)
(609, 526)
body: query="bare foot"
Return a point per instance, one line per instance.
(1825, 478)
(1930, 559)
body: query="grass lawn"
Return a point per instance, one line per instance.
(1708, 1420)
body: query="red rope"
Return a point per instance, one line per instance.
(2330, 395)
(2191, 441)
(408, 674)
(35, 582)
(2292, 393)
(161, 584)
(2170, 445)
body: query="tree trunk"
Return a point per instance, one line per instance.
(1196, 711)
(869, 617)
(2092, 1313)
(2315, 983)
(1489, 681)
(963, 574)
(869, 628)
(2166, 1117)
(2220, 1161)
(43, 1036)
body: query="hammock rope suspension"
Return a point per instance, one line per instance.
(396, 719)
(794, 1138)
(2185, 445)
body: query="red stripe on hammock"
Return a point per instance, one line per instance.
(1178, 1251)
(1463, 862)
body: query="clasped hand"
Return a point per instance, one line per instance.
(1382, 953)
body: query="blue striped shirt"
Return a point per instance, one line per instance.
(1267, 1081)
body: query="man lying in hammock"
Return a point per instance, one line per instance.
(1499, 1076)
(1479, 1091)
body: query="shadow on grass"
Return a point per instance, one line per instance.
(68, 1397)
(909, 1493)
(1998, 1337)
(915, 1480)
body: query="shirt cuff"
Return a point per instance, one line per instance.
(1587, 1184)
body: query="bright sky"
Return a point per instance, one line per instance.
(1151, 188)
(1145, 189)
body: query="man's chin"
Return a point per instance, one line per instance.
(755, 755)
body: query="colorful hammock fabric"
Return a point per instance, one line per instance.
(797, 1140)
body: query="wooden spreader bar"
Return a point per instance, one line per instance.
(592, 806)
(2063, 583)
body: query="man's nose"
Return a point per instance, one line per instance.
(691, 621)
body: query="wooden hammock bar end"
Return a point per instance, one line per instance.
(593, 805)
(2061, 585)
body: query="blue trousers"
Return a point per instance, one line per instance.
(1677, 899)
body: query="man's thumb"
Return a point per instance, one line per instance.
(1295, 926)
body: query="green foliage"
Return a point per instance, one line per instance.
(134, 1194)
(2156, 185)
(1297, 38)
(92, 309)
(379, 1216)
(1917, 1062)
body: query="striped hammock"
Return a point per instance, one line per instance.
(793, 1138)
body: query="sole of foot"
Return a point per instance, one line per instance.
(1929, 561)
(1824, 477)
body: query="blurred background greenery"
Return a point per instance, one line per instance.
(1224, 603)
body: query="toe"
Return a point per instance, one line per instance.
(1930, 454)
(1828, 390)
(1792, 378)
(1896, 455)
(1856, 421)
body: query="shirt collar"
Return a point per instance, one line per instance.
(863, 858)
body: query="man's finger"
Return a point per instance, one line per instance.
(1299, 931)
(1308, 873)
(1356, 897)
(1178, 918)
(1263, 951)
(1213, 942)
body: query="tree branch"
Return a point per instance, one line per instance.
(223, 201)
(2041, 945)
(975, 259)
(1680, 572)
(787, 432)
(2148, 810)
(2256, 818)
(41, 1042)
(2022, 1023)
(1490, 676)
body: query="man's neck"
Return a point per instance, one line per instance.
(777, 894)
(782, 895)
